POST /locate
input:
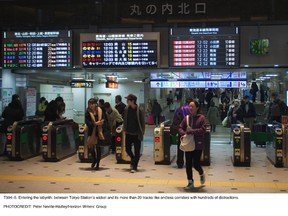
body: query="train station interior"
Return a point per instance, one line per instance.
(148, 50)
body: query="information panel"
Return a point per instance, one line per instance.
(204, 47)
(120, 50)
(42, 49)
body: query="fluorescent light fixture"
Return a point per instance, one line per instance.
(137, 81)
(246, 65)
(122, 78)
(271, 75)
(90, 80)
(78, 78)
(276, 65)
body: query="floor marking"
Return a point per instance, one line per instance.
(14, 178)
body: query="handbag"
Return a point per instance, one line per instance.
(225, 121)
(187, 142)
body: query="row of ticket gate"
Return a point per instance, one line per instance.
(60, 139)
(276, 140)
(165, 145)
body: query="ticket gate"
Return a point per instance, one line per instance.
(241, 155)
(277, 148)
(205, 158)
(2, 139)
(164, 152)
(84, 153)
(121, 155)
(23, 140)
(59, 139)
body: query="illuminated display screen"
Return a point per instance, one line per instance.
(204, 47)
(235, 79)
(120, 50)
(43, 49)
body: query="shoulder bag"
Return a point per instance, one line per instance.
(187, 143)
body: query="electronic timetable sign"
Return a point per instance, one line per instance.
(204, 47)
(120, 50)
(41, 49)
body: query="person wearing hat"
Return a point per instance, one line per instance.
(249, 112)
(134, 128)
(277, 108)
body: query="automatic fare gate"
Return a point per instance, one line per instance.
(23, 140)
(59, 139)
(84, 153)
(241, 155)
(205, 158)
(277, 148)
(164, 152)
(121, 155)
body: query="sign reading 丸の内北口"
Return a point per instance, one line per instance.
(41, 49)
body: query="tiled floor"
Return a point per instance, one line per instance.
(71, 176)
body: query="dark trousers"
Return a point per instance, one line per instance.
(157, 119)
(137, 146)
(113, 143)
(180, 155)
(96, 155)
(193, 160)
(213, 127)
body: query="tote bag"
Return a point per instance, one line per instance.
(187, 143)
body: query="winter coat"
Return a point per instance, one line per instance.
(140, 119)
(198, 129)
(213, 115)
(156, 109)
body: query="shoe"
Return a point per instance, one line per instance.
(133, 171)
(180, 166)
(202, 179)
(190, 186)
(93, 164)
(96, 168)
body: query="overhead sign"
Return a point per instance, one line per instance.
(41, 49)
(81, 84)
(204, 47)
(198, 84)
(120, 50)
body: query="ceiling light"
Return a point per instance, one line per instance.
(90, 80)
(137, 81)
(77, 78)
(276, 65)
(122, 78)
(246, 65)
(271, 75)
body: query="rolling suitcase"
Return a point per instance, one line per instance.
(150, 120)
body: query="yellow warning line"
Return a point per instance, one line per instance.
(142, 181)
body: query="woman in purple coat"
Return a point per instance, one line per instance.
(197, 127)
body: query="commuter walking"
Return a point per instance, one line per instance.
(54, 109)
(13, 112)
(197, 128)
(223, 111)
(120, 106)
(235, 113)
(213, 116)
(94, 118)
(114, 120)
(41, 108)
(249, 112)
(134, 127)
(179, 115)
(277, 108)
(156, 111)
